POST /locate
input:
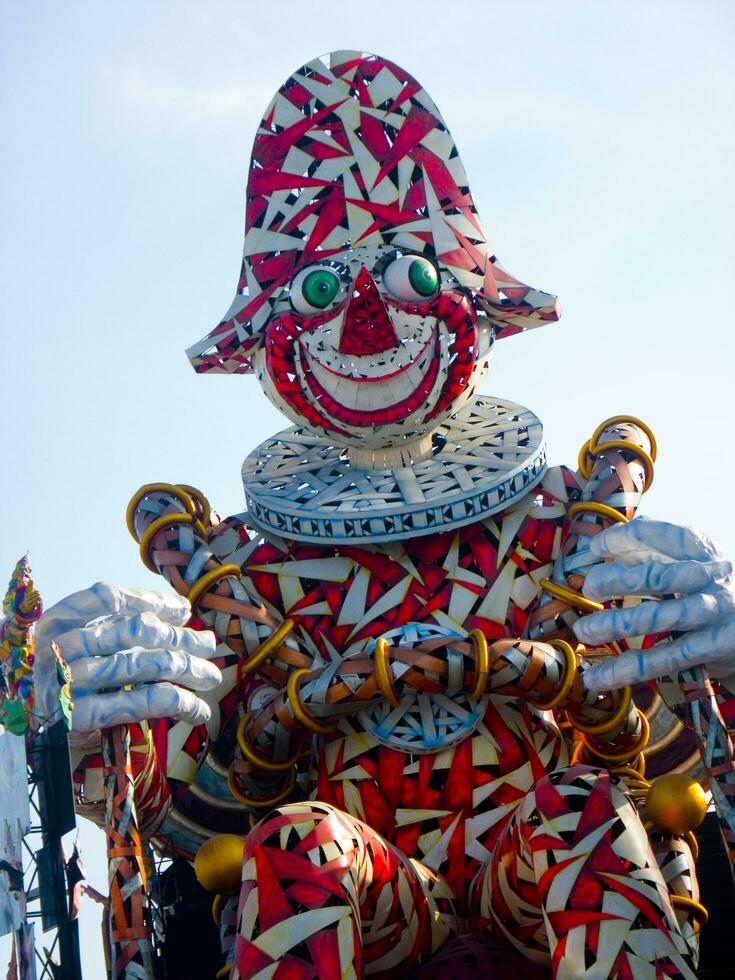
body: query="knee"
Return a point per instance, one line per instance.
(317, 831)
(572, 788)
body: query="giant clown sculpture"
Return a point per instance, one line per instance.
(403, 676)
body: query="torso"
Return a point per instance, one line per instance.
(443, 805)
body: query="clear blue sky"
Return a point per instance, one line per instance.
(598, 139)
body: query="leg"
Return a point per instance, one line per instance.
(573, 882)
(324, 896)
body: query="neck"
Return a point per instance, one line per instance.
(391, 457)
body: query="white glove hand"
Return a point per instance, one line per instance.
(137, 638)
(653, 558)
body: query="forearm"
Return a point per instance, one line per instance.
(546, 675)
(177, 539)
(616, 468)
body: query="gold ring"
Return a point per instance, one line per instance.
(643, 458)
(622, 755)
(693, 844)
(698, 911)
(571, 597)
(152, 530)
(267, 647)
(628, 772)
(584, 464)
(252, 756)
(639, 764)
(200, 501)
(177, 492)
(608, 724)
(253, 802)
(299, 711)
(482, 664)
(631, 420)
(592, 507)
(219, 901)
(383, 674)
(567, 683)
(202, 584)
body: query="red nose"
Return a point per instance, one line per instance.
(367, 328)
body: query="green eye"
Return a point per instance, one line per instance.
(423, 277)
(411, 278)
(314, 290)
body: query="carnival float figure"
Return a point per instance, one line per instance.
(375, 675)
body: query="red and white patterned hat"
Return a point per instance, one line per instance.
(352, 152)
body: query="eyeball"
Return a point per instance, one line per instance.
(313, 289)
(411, 279)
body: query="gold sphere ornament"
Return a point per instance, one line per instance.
(676, 803)
(218, 864)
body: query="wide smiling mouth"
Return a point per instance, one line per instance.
(408, 384)
(353, 371)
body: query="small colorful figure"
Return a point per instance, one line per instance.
(22, 608)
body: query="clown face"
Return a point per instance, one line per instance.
(369, 296)
(373, 347)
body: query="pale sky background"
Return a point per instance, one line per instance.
(598, 140)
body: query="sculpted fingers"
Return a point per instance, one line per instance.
(142, 666)
(125, 632)
(653, 578)
(103, 599)
(712, 644)
(686, 613)
(169, 607)
(148, 701)
(643, 539)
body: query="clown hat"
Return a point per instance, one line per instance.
(352, 152)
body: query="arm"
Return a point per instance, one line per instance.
(546, 675)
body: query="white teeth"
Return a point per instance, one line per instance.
(414, 333)
(365, 396)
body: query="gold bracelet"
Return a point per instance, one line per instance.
(567, 683)
(200, 501)
(632, 778)
(267, 647)
(299, 711)
(383, 674)
(590, 448)
(571, 597)
(583, 461)
(608, 724)
(181, 495)
(482, 664)
(202, 584)
(631, 420)
(219, 901)
(698, 911)
(252, 756)
(260, 803)
(152, 530)
(693, 844)
(623, 755)
(223, 972)
(630, 447)
(592, 507)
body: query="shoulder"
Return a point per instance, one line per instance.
(560, 484)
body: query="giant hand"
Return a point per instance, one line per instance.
(686, 569)
(130, 656)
